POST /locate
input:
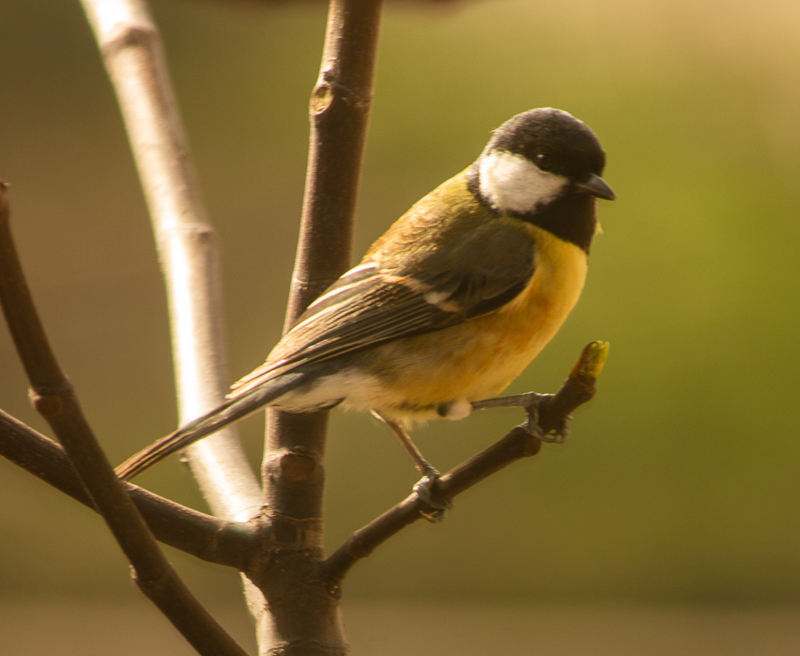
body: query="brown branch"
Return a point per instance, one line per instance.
(308, 620)
(551, 413)
(339, 113)
(54, 398)
(204, 536)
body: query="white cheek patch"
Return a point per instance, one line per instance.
(511, 182)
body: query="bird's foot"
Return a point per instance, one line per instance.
(530, 402)
(557, 435)
(424, 488)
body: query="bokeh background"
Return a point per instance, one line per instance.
(668, 523)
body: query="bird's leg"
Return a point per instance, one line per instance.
(530, 402)
(429, 473)
(423, 466)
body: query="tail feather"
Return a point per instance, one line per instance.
(231, 411)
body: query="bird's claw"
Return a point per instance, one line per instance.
(423, 489)
(557, 435)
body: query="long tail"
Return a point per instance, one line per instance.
(229, 412)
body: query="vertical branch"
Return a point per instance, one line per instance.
(187, 247)
(187, 244)
(339, 113)
(305, 617)
(55, 400)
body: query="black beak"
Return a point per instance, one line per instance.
(597, 187)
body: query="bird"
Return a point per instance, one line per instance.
(451, 304)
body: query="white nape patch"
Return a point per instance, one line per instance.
(512, 182)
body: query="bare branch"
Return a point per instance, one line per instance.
(55, 400)
(339, 112)
(281, 3)
(187, 245)
(551, 412)
(204, 536)
(308, 620)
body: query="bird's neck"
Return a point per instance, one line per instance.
(570, 216)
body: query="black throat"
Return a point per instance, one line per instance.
(571, 217)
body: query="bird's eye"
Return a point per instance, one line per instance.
(542, 161)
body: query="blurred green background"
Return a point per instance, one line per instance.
(679, 485)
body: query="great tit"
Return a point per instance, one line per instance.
(451, 303)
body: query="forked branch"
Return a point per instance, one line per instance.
(550, 413)
(306, 621)
(54, 399)
(207, 537)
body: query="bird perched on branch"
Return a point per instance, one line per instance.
(451, 303)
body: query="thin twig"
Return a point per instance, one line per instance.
(207, 537)
(551, 412)
(55, 400)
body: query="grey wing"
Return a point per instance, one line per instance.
(488, 267)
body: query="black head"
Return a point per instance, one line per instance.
(544, 167)
(554, 140)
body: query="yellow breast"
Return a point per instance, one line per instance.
(480, 357)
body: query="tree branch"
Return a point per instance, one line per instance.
(188, 250)
(307, 620)
(55, 400)
(187, 245)
(550, 412)
(339, 113)
(204, 536)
